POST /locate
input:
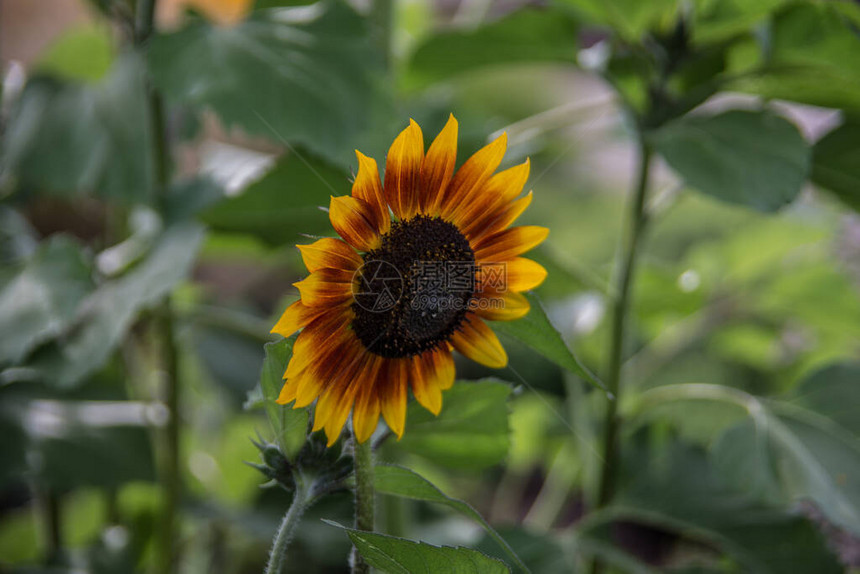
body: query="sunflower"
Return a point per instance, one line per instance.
(424, 260)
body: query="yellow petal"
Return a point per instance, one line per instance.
(522, 274)
(473, 175)
(502, 307)
(438, 167)
(368, 187)
(354, 221)
(294, 318)
(478, 342)
(393, 396)
(509, 243)
(365, 415)
(432, 372)
(329, 252)
(325, 287)
(403, 171)
(493, 199)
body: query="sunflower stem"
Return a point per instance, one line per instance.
(301, 501)
(364, 504)
(621, 306)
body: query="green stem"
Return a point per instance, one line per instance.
(278, 555)
(168, 555)
(363, 460)
(171, 455)
(629, 254)
(52, 515)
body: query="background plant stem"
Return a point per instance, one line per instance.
(170, 453)
(621, 307)
(278, 555)
(364, 504)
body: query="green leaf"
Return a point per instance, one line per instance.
(41, 300)
(84, 53)
(400, 556)
(628, 18)
(537, 331)
(109, 311)
(755, 159)
(284, 203)
(784, 452)
(527, 35)
(305, 75)
(471, 432)
(836, 162)
(813, 57)
(290, 425)
(400, 481)
(540, 552)
(833, 392)
(677, 489)
(66, 138)
(718, 20)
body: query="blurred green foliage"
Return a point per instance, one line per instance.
(740, 442)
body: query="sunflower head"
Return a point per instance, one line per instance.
(424, 258)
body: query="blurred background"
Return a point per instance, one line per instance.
(263, 109)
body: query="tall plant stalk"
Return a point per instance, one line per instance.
(628, 257)
(171, 478)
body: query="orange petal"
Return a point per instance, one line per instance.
(353, 219)
(403, 170)
(502, 306)
(438, 167)
(500, 190)
(502, 219)
(478, 342)
(322, 335)
(326, 287)
(432, 372)
(393, 395)
(509, 243)
(365, 415)
(295, 317)
(368, 188)
(473, 175)
(329, 252)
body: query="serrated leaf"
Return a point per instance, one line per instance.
(41, 300)
(527, 35)
(401, 556)
(284, 203)
(109, 311)
(537, 331)
(836, 162)
(290, 425)
(399, 481)
(756, 159)
(306, 75)
(471, 431)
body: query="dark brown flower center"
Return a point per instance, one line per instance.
(412, 292)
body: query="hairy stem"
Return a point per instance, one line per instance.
(363, 461)
(278, 555)
(621, 307)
